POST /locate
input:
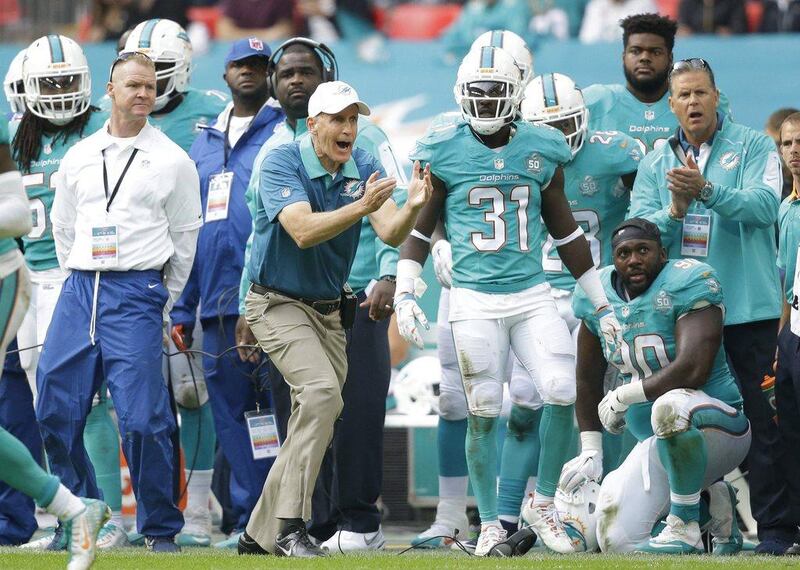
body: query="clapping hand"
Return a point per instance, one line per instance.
(420, 187)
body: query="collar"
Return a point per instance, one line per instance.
(222, 119)
(141, 141)
(794, 193)
(314, 167)
(302, 128)
(695, 150)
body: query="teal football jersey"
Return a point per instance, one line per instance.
(493, 205)
(182, 125)
(39, 183)
(6, 244)
(596, 196)
(648, 324)
(614, 108)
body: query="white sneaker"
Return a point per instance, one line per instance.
(196, 528)
(40, 543)
(441, 533)
(82, 531)
(491, 534)
(677, 537)
(112, 536)
(546, 522)
(344, 541)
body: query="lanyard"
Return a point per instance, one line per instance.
(227, 146)
(119, 180)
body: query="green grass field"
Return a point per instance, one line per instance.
(200, 559)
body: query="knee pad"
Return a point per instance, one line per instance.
(559, 390)
(670, 413)
(452, 405)
(523, 392)
(485, 399)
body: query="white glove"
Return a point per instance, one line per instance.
(408, 312)
(588, 466)
(612, 334)
(442, 255)
(612, 413)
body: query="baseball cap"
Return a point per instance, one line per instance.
(247, 47)
(333, 96)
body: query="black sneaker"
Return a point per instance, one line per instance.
(518, 544)
(294, 542)
(249, 546)
(161, 544)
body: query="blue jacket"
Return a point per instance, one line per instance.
(214, 280)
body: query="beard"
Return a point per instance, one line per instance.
(647, 86)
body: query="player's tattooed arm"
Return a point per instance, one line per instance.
(589, 373)
(557, 216)
(414, 247)
(698, 336)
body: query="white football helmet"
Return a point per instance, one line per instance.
(168, 45)
(14, 85)
(58, 85)
(552, 98)
(482, 70)
(416, 387)
(578, 512)
(514, 45)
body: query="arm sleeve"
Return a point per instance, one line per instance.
(185, 308)
(179, 266)
(646, 203)
(756, 201)
(15, 215)
(64, 213)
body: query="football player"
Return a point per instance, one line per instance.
(452, 426)
(678, 398)
(495, 179)
(57, 85)
(640, 108)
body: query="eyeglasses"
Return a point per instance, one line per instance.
(125, 56)
(691, 63)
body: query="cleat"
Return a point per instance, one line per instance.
(491, 535)
(231, 542)
(161, 544)
(518, 544)
(467, 545)
(248, 546)
(112, 536)
(545, 521)
(81, 532)
(441, 534)
(677, 537)
(724, 527)
(344, 541)
(196, 530)
(294, 542)
(45, 542)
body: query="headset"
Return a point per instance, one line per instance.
(330, 69)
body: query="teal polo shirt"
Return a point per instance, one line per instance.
(292, 173)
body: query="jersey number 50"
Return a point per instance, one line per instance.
(499, 237)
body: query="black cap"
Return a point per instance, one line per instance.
(635, 228)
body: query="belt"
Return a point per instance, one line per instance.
(322, 307)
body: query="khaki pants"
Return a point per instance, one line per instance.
(309, 350)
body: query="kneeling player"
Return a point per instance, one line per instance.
(678, 398)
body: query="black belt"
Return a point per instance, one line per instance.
(322, 307)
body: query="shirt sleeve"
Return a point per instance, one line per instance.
(183, 208)
(280, 184)
(64, 211)
(756, 200)
(646, 203)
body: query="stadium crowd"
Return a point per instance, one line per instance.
(209, 282)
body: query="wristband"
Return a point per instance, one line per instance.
(630, 394)
(591, 285)
(592, 441)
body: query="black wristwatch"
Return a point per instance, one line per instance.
(389, 278)
(706, 191)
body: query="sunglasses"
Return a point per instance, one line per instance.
(125, 56)
(691, 63)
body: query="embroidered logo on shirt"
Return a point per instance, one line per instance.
(145, 163)
(286, 192)
(499, 163)
(626, 311)
(354, 189)
(663, 302)
(729, 160)
(588, 187)
(533, 163)
(649, 114)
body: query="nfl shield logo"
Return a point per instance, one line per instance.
(626, 311)
(256, 44)
(649, 115)
(499, 163)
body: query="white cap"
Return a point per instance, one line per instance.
(334, 96)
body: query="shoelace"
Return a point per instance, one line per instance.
(553, 520)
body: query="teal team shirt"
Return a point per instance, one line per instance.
(39, 183)
(788, 241)
(614, 108)
(374, 258)
(648, 325)
(596, 196)
(6, 244)
(740, 215)
(182, 125)
(493, 205)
